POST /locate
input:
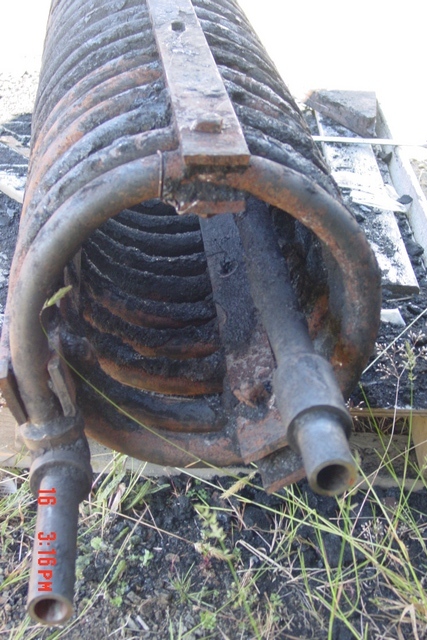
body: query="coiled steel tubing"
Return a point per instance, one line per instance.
(193, 338)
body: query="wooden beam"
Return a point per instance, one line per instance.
(406, 182)
(355, 168)
(419, 438)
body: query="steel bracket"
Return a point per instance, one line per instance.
(208, 128)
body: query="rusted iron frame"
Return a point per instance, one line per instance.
(71, 124)
(279, 181)
(54, 246)
(98, 86)
(143, 145)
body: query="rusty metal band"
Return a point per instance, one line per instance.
(208, 128)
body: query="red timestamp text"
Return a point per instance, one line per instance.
(46, 560)
(46, 497)
(46, 554)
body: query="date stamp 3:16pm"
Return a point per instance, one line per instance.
(46, 553)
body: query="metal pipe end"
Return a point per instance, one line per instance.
(320, 437)
(51, 610)
(333, 478)
(60, 479)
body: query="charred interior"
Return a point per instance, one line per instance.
(220, 298)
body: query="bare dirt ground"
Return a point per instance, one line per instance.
(177, 578)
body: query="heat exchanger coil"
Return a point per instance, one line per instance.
(216, 299)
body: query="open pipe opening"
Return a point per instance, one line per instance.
(322, 442)
(333, 479)
(51, 610)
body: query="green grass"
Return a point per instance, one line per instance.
(378, 593)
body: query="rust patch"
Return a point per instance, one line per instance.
(259, 439)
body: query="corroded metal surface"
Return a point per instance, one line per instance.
(146, 297)
(195, 343)
(207, 126)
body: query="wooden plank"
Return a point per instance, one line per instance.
(8, 386)
(12, 453)
(356, 110)
(15, 145)
(419, 438)
(387, 460)
(405, 182)
(12, 186)
(355, 168)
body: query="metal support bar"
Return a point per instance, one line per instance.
(208, 128)
(389, 142)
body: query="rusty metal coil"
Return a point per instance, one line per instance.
(144, 297)
(222, 298)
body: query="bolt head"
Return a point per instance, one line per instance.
(208, 123)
